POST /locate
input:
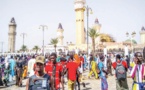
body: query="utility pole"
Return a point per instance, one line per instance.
(23, 36)
(88, 10)
(43, 27)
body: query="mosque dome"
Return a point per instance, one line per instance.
(133, 41)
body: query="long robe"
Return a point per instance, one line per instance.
(12, 67)
(137, 74)
(31, 63)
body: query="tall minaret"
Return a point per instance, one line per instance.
(97, 26)
(60, 34)
(79, 9)
(142, 35)
(12, 36)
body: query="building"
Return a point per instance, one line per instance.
(12, 36)
(142, 35)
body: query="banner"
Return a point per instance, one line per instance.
(126, 50)
(105, 51)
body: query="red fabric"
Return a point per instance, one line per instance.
(123, 63)
(34, 68)
(63, 63)
(72, 70)
(82, 59)
(49, 71)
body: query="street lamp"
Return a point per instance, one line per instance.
(43, 27)
(88, 10)
(131, 38)
(23, 36)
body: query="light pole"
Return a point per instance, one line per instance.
(23, 36)
(88, 10)
(42, 27)
(131, 38)
(2, 47)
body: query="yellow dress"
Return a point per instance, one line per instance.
(93, 69)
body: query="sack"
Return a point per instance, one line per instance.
(40, 84)
(120, 71)
(141, 85)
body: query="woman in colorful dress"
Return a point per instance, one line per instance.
(137, 72)
(103, 74)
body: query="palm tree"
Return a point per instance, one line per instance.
(93, 34)
(54, 41)
(36, 48)
(23, 48)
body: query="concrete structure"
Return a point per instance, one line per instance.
(60, 35)
(79, 9)
(12, 36)
(142, 35)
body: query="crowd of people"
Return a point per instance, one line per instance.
(52, 72)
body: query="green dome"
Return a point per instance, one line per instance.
(133, 41)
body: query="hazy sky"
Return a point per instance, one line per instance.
(116, 16)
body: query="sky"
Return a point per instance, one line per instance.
(116, 17)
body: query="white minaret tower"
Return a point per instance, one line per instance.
(60, 34)
(97, 26)
(79, 9)
(12, 36)
(142, 35)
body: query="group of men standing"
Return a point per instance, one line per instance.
(49, 74)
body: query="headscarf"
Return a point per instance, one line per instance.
(77, 59)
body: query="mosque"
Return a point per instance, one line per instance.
(81, 34)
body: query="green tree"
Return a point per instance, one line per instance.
(23, 48)
(36, 48)
(93, 34)
(54, 42)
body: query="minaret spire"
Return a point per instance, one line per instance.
(60, 34)
(12, 36)
(60, 26)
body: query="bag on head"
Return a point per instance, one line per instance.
(120, 71)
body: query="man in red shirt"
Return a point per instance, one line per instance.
(119, 61)
(72, 70)
(54, 70)
(121, 84)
